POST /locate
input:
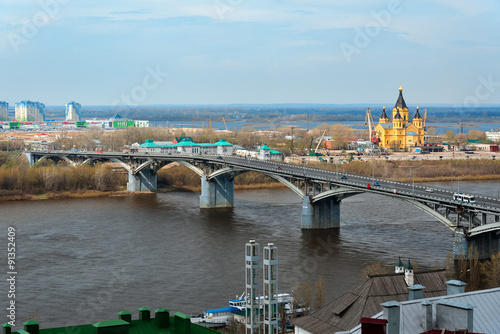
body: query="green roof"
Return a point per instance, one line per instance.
(161, 310)
(149, 143)
(187, 141)
(222, 142)
(181, 315)
(265, 147)
(409, 266)
(275, 152)
(111, 323)
(136, 327)
(399, 263)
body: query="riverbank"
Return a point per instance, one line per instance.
(64, 195)
(51, 182)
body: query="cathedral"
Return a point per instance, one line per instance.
(399, 133)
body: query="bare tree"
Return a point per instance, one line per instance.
(490, 270)
(376, 268)
(319, 293)
(306, 296)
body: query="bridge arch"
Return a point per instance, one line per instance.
(234, 172)
(339, 193)
(54, 158)
(192, 167)
(120, 162)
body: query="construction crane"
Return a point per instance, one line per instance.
(425, 117)
(372, 135)
(319, 143)
(275, 129)
(225, 124)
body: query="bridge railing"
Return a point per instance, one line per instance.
(298, 171)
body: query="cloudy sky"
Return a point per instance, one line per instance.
(249, 51)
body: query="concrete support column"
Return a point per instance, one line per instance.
(31, 158)
(461, 246)
(320, 215)
(217, 192)
(145, 180)
(497, 219)
(483, 218)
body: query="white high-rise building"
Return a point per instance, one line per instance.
(73, 111)
(28, 111)
(270, 289)
(4, 111)
(252, 284)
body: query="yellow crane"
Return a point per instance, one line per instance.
(316, 151)
(425, 116)
(225, 124)
(369, 122)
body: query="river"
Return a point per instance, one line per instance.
(84, 260)
(440, 127)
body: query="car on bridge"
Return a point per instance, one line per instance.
(376, 184)
(429, 190)
(278, 168)
(343, 177)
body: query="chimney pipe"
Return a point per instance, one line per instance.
(451, 314)
(392, 314)
(7, 328)
(32, 327)
(427, 315)
(455, 287)
(416, 292)
(125, 316)
(373, 326)
(144, 313)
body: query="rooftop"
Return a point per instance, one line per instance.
(161, 323)
(364, 301)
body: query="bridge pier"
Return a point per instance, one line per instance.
(145, 180)
(320, 215)
(217, 192)
(31, 158)
(460, 247)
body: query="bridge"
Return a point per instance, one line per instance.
(321, 190)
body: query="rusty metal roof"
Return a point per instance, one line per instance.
(364, 301)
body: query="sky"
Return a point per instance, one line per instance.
(137, 53)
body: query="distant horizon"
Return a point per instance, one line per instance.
(388, 106)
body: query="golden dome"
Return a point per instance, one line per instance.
(400, 88)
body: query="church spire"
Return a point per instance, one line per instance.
(417, 114)
(384, 115)
(400, 103)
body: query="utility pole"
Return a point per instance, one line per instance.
(373, 168)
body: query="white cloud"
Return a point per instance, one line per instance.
(469, 8)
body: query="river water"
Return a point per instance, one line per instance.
(440, 127)
(84, 260)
